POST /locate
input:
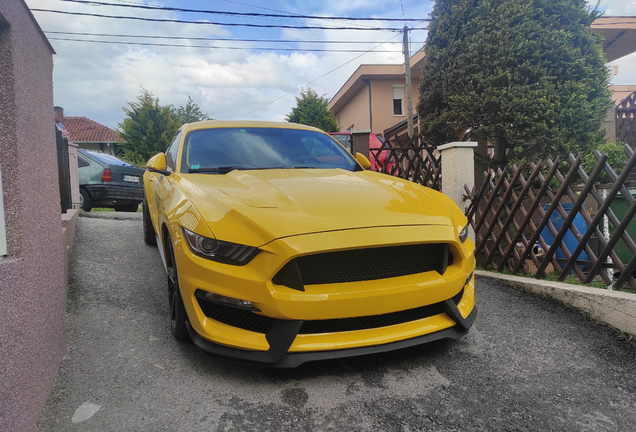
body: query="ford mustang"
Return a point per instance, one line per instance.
(282, 248)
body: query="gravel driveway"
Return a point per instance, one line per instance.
(528, 364)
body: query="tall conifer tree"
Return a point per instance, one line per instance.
(311, 110)
(527, 75)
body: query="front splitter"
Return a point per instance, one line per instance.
(278, 357)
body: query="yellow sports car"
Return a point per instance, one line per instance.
(282, 248)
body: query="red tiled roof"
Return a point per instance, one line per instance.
(83, 129)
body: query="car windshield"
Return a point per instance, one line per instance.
(225, 149)
(343, 139)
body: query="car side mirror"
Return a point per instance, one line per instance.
(157, 164)
(363, 161)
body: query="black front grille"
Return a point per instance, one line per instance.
(247, 320)
(367, 264)
(458, 297)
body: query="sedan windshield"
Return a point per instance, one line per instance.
(222, 150)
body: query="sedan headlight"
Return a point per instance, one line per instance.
(220, 251)
(463, 235)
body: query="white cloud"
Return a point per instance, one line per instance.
(96, 80)
(618, 7)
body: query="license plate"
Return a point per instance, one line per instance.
(131, 179)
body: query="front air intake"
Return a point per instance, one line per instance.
(359, 265)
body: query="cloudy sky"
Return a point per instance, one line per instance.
(228, 79)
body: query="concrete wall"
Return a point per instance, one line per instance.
(33, 273)
(382, 90)
(356, 112)
(609, 124)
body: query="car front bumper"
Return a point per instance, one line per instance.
(441, 306)
(280, 339)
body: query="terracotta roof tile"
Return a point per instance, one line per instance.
(83, 129)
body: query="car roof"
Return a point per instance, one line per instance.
(104, 158)
(217, 124)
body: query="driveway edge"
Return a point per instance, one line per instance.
(615, 308)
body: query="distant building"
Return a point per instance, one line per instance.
(374, 97)
(90, 135)
(620, 92)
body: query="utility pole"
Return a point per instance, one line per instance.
(407, 74)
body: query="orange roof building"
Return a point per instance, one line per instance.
(90, 135)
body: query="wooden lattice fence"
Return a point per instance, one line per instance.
(515, 211)
(626, 120)
(407, 159)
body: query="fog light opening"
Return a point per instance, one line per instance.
(225, 300)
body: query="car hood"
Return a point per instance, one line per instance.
(257, 206)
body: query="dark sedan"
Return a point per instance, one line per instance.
(106, 181)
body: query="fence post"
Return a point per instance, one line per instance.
(458, 169)
(73, 174)
(361, 142)
(63, 171)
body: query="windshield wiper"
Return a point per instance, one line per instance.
(216, 170)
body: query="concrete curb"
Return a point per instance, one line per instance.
(112, 215)
(615, 308)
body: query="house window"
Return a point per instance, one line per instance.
(398, 100)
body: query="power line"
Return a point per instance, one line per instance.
(269, 9)
(218, 23)
(241, 14)
(316, 79)
(327, 42)
(220, 47)
(321, 76)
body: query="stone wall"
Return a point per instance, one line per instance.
(33, 272)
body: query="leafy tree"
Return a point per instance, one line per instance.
(528, 76)
(190, 113)
(148, 128)
(311, 110)
(616, 158)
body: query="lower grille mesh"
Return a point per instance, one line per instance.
(247, 320)
(235, 317)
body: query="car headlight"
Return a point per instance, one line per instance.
(463, 235)
(220, 251)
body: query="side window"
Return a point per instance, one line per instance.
(171, 153)
(81, 162)
(398, 100)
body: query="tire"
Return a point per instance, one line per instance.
(178, 316)
(130, 207)
(149, 231)
(86, 203)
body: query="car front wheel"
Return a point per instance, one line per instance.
(178, 316)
